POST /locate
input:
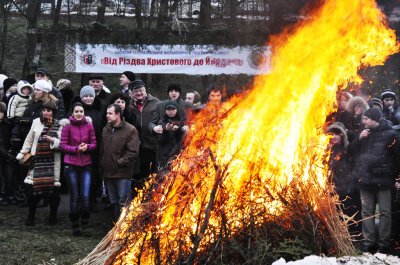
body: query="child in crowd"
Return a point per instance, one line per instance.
(17, 106)
(170, 140)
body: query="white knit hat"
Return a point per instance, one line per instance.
(43, 85)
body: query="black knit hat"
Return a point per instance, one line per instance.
(9, 82)
(374, 114)
(174, 87)
(42, 71)
(375, 103)
(136, 84)
(130, 75)
(387, 93)
(95, 77)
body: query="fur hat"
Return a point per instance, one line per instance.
(43, 85)
(130, 75)
(176, 87)
(95, 77)
(63, 83)
(357, 101)
(2, 78)
(136, 84)
(374, 114)
(339, 128)
(9, 82)
(87, 91)
(387, 93)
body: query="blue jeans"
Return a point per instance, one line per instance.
(79, 180)
(118, 191)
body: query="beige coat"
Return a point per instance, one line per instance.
(30, 145)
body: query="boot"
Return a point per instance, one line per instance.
(116, 212)
(30, 221)
(74, 217)
(85, 218)
(53, 210)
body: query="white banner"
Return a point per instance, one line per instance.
(167, 59)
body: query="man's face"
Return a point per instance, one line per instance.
(139, 93)
(171, 112)
(123, 80)
(388, 102)
(41, 76)
(215, 97)
(368, 123)
(190, 97)
(112, 117)
(342, 103)
(173, 94)
(97, 85)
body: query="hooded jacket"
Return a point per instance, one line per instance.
(74, 133)
(18, 104)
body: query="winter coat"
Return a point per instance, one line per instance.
(74, 133)
(18, 104)
(4, 139)
(60, 104)
(376, 158)
(148, 141)
(95, 112)
(392, 114)
(30, 145)
(183, 107)
(354, 126)
(67, 96)
(170, 142)
(119, 150)
(340, 164)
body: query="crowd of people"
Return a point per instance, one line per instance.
(364, 162)
(98, 143)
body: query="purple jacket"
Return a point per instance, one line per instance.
(74, 133)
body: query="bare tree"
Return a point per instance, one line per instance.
(101, 11)
(56, 15)
(162, 14)
(138, 12)
(32, 15)
(4, 11)
(205, 14)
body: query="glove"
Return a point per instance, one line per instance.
(19, 156)
(28, 180)
(57, 184)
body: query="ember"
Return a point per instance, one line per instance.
(254, 170)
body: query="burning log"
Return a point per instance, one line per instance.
(252, 178)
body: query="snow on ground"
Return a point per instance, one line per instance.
(365, 259)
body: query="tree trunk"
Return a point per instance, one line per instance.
(56, 17)
(162, 14)
(205, 14)
(3, 37)
(31, 35)
(152, 10)
(232, 14)
(101, 11)
(138, 13)
(174, 7)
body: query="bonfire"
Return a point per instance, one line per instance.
(253, 175)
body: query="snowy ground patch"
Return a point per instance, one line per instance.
(365, 259)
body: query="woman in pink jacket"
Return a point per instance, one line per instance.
(78, 139)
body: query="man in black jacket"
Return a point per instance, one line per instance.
(376, 151)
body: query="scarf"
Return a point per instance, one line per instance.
(43, 173)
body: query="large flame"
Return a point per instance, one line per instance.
(245, 161)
